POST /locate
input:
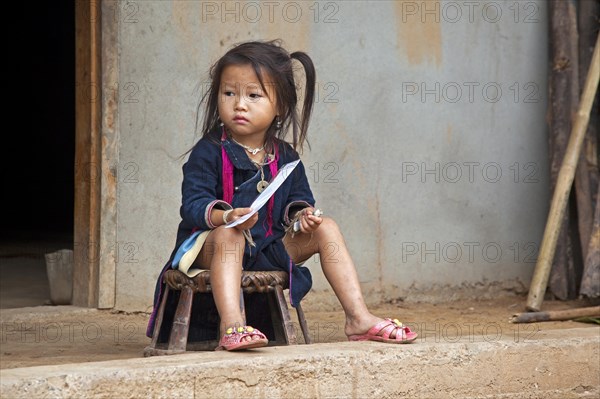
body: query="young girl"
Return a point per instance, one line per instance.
(249, 109)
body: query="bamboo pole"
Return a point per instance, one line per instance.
(563, 186)
(555, 315)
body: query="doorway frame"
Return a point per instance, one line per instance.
(95, 247)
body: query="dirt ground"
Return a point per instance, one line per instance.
(65, 336)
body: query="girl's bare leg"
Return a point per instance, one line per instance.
(339, 270)
(222, 254)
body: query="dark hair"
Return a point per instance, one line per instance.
(270, 58)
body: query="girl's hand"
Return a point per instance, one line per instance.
(238, 213)
(308, 221)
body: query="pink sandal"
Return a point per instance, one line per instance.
(232, 340)
(381, 333)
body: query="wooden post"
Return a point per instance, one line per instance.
(88, 111)
(590, 282)
(587, 26)
(588, 17)
(563, 187)
(585, 212)
(564, 94)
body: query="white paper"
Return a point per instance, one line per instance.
(262, 199)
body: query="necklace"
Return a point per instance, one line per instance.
(251, 150)
(262, 184)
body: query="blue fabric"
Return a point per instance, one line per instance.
(202, 185)
(183, 248)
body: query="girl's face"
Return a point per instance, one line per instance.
(245, 109)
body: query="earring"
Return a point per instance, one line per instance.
(221, 123)
(278, 123)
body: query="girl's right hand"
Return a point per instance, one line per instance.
(238, 213)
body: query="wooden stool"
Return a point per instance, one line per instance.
(271, 283)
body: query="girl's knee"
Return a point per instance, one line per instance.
(222, 240)
(328, 226)
(224, 235)
(328, 231)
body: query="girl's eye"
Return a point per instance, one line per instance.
(255, 95)
(228, 93)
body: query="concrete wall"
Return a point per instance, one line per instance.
(428, 136)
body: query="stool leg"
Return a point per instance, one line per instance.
(159, 318)
(181, 322)
(288, 327)
(276, 319)
(303, 325)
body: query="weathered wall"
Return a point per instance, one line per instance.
(428, 136)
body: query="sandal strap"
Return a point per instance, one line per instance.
(387, 330)
(235, 335)
(378, 327)
(386, 327)
(404, 330)
(245, 330)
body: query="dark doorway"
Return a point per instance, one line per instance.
(38, 156)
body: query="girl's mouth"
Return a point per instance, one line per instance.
(240, 119)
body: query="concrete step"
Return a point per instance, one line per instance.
(554, 364)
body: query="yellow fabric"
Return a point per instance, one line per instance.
(190, 256)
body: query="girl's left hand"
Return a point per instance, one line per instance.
(308, 221)
(248, 224)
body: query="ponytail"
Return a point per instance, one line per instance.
(309, 70)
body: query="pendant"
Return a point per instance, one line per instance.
(254, 151)
(261, 185)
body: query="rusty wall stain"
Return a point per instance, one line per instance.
(419, 31)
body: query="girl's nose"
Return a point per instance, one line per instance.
(240, 104)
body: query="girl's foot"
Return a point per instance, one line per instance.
(246, 337)
(233, 326)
